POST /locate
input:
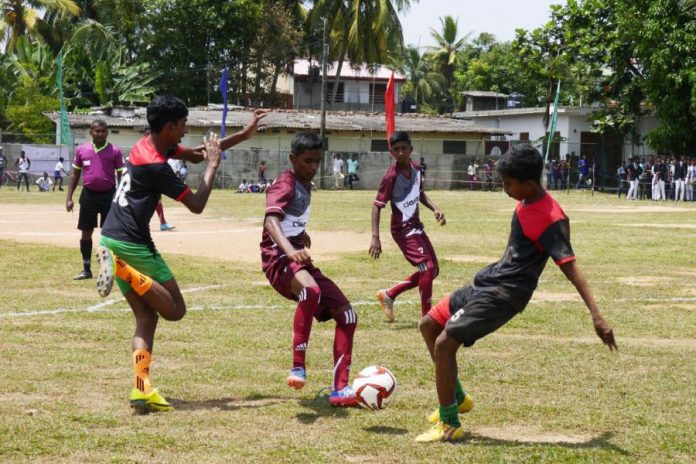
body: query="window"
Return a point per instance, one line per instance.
(339, 93)
(453, 147)
(379, 145)
(377, 92)
(524, 136)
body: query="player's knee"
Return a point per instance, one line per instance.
(310, 294)
(177, 312)
(445, 346)
(348, 317)
(429, 328)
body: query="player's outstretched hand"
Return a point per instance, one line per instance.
(211, 150)
(300, 256)
(605, 333)
(375, 248)
(258, 115)
(440, 217)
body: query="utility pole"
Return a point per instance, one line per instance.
(322, 124)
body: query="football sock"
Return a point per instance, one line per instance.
(141, 366)
(139, 282)
(302, 324)
(86, 251)
(459, 392)
(410, 282)
(346, 323)
(450, 414)
(425, 286)
(160, 213)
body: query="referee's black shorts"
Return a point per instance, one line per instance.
(93, 204)
(475, 314)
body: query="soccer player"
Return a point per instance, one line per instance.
(501, 290)
(286, 261)
(403, 186)
(127, 252)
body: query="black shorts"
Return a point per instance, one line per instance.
(475, 314)
(91, 204)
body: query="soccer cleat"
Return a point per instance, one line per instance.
(466, 406)
(297, 378)
(84, 275)
(441, 432)
(166, 226)
(144, 404)
(105, 278)
(387, 304)
(343, 398)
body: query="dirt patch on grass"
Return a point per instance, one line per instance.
(542, 297)
(231, 239)
(644, 281)
(527, 434)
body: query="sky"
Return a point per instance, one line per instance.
(498, 17)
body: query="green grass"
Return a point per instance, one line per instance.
(65, 376)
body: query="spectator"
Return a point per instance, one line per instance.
(44, 182)
(679, 180)
(262, 171)
(243, 187)
(423, 167)
(557, 171)
(3, 161)
(58, 172)
(183, 171)
(337, 171)
(353, 167)
(23, 164)
(620, 177)
(583, 172)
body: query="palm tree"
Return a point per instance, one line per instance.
(448, 46)
(364, 31)
(20, 18)
(422, 80)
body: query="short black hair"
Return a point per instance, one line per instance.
(165, 109)
(100, 123)
(305, 141)
(399, 136)
(521, 162)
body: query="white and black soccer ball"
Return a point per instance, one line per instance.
(375, 387)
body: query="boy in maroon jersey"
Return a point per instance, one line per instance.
(288, 266)
(540, 230)
(403, 186)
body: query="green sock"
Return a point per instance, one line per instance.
(450, 414)
(459, 392)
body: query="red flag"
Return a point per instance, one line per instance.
(389, 106)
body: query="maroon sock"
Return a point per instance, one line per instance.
(160, 213)
(343, 347)
(410, 282)
(302, 325)
(425, 286)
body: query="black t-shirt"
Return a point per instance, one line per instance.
(539, 230)
(148, 176)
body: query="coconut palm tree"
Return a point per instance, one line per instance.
(448, 47)
(20, 18)
(422, 81)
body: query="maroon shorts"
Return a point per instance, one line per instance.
(416, 246)
(280, 272)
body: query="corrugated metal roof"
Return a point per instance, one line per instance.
(482, 93)
(301, 68)
(294, 119)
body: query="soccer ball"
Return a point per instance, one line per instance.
(375, 387)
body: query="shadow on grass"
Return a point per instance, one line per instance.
(228, 404)
(383, 430)
(600, 441)
(321, 408)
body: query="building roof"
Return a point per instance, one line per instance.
(295, 119)
(481, 93)
(540, 110)
(381, 73)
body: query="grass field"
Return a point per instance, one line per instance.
(545, 387)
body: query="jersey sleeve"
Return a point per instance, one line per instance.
(384, 194)
(278, 198)
(555, 240)
(118, 159)
(168, 183)
(77, 161)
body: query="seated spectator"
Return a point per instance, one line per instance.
(244, 186)
(44, 182)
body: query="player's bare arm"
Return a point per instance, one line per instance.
(375, 244)
(306, 240)
(195, 155)
(196, 202)
(428, 203)
(573, 272)
(74, 179)
(272, 225)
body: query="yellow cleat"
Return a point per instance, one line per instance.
(144, 404)
(387, 304)
(466, 406)
(441, 432)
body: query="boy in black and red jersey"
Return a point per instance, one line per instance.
(540, 230)
(127, 253)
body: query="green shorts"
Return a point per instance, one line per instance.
(141, 257)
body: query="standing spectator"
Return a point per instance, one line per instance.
(488, 170)
(660, 171)
(58, 172)
(3, 161)
(423, 167)
(44, 182)
(620, 177)
(632, 175)
(557, 171)
(583, 172)
(679, 179)
(690, 171)
(262, 171)
(337, 171)
(102, 163)
(353, 167)
(23, 164)
(183, 171)
(565, 167)
(471, 172)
